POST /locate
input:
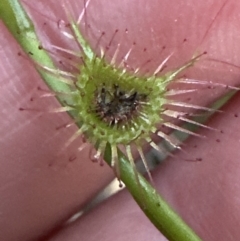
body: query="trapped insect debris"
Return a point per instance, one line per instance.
(119, 104)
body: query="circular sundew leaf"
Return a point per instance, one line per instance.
(117, 107)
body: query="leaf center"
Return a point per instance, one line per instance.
(118, 106)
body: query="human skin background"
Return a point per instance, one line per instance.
(39, 190)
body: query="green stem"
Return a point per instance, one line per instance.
(153, 205)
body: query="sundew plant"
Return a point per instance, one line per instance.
(122, 105)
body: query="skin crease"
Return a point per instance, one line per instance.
(40, 189)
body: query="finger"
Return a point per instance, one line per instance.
(174, 34)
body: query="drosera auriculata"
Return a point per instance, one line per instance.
(117, 105)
